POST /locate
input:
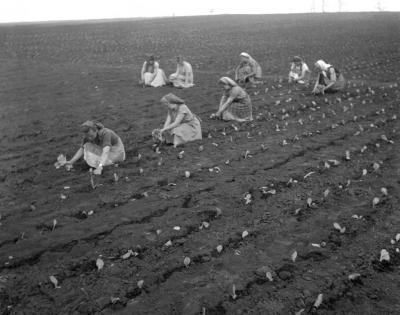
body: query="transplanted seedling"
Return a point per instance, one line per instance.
(294, 256)
(339, 228)
(186, 262)
(247, 198)
(99, 263)
(384, 255)
(54, 281)
(354, 276)
(318, 301)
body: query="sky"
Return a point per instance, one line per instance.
(51, 10)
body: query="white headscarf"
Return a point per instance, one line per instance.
(323, 65)
(228, 81)
(244, 54)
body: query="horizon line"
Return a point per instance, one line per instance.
(94, 20)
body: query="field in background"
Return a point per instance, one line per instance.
(291, 160)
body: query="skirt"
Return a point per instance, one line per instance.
(179, 81)
(339, 84)
(186, 132)
(92, 154)
(159, 80)
(294, 76)
(239, 111)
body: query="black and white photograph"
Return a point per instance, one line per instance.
(199, 157)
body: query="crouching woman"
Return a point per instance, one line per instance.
(181, 122)
(235, 103)
(329, 79)
(100, 147)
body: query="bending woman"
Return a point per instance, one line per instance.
(151, 74)
(235, 103)
(299, 71)
(180, 122)
(248, 70)
(329, 79)
(183, 76)
(100, 147)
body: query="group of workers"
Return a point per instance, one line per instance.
(101, 146)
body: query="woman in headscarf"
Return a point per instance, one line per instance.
(248, 69)
(299, 71)
(100, 147)
(329, 79)
(181, 122)
(235, 103)
(183, 76)
(151, 74)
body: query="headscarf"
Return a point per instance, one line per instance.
(297, 59)
(228, 81)
(323, 65)
(151, 57)
(90, 125)
(172, 99)
(244, 54)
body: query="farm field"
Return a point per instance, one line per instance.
(304, 163)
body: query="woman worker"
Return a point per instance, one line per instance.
(235, 103)
(248, 69)
(100, 147)
(151, 74)
(299, 71)
(183, 76)
(181, 122)
(329, 80)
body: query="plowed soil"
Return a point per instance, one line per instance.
(290, 162)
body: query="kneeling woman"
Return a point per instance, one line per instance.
(329, 80)
(183, 76)
(100, 147)
(299, 71)
(151, 74)
(180, 122)
(248, 69)
(235, 103)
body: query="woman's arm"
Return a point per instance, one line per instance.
(253, 67)
(332, 79)
(76, 157)
(316, 83)
(222, 101)
(167, 121)
(224, 106)
(142, 72)
(237, 72)
(155, 71)
(176, 123)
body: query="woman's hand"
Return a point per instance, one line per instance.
(69, 165)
